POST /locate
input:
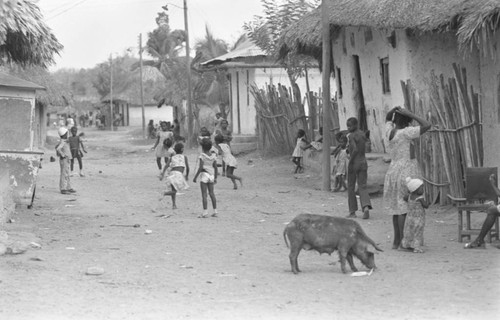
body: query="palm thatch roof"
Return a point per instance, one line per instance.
(246, 51)
(24, 37)
(304, 36)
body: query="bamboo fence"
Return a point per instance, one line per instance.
(280, 114)
(455, 141)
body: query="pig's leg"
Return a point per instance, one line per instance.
(343, 256)
(296, 242)
(351, 262)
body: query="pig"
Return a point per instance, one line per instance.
(326, 234)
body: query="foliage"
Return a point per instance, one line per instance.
(265, 31)
(123, 77)
(25, 39)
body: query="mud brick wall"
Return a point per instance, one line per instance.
(7, 205)
(15, 119)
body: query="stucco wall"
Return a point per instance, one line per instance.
(370, 47)
(490, 99)
(154, 113)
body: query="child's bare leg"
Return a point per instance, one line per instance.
(173, 194)
(343, 182)
(212, 198)
(158, 162)
(230, 175)
(204, 187)
(337, 183)
(223, 168)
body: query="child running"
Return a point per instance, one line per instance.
(175, 179)
(74, 144)
(229, 160)
(298, 152)
(413, 231)
(207, 170)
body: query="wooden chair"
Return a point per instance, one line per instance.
(478, 197)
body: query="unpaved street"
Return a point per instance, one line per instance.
(231, 267)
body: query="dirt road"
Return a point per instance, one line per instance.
(231, 267)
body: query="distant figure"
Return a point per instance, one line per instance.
(64, 153)
(177, 131)
(75, 143)
(151, 129)
(70, 122)
(175, 180)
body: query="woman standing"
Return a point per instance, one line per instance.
(398, 135)
(162, 135)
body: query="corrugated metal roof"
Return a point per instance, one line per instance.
(245, 50)
(6, 80)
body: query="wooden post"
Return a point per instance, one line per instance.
(327, 52)
(190, 139)
(142, 89)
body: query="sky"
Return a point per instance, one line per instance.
(93, 30)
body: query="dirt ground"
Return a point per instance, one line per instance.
(234, 266)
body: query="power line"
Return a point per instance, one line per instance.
(66, 10)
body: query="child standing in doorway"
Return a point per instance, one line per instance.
(298, 152)
(229, 160)
(74, 144)
(176, 181)
(413, 231)
(207, 170)
(357, 170)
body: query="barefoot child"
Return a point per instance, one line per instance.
(74, 144)
(175, 179)
(413, 231)
(298, 152)
(228, 159)
(227, 136)
(162, 135)
(207, 170)
(341, 160)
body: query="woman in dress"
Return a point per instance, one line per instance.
(398, 136)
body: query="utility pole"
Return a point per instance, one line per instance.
(188, 66)
(327, 52)
(111, 89)
(142, 88)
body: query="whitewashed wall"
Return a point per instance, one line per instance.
(490, 99)
(165, 113)
(261, 77)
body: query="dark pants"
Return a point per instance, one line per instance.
(357, 172)
(488, 223)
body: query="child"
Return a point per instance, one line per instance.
(207, 171)
(228, 159)
(413, 230)
(64, 153)
(357, 170)
(298, 152)
(74, 144)
(175, 180)
(162, 135)
(227, 136)
(341, 160)
(317, 144)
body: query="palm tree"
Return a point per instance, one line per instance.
(25, 39)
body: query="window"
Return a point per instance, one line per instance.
(384, 71)
(339, 83)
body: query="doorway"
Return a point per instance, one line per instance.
(358, 97)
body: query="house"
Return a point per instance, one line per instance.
(249, 65)
(378, 44)
(20, 142)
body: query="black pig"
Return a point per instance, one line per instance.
(326, 234)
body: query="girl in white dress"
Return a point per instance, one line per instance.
(229, 160)
(207, 170)
(176, 181)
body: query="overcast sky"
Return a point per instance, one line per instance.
(91, 30)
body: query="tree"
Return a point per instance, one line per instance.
(25, 39)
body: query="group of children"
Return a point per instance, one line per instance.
(177, 166)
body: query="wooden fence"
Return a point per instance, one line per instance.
(455, 141)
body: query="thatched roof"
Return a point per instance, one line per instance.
(24, 37)
(304, 36)
(246, 51)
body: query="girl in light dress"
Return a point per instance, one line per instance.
(229, 160)
(341, 160)
(207, 171)
(176, 180)
(413, 238)
(161, 152)
(298, 152)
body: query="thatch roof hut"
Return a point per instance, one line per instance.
(24, 37)
(469, 17)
